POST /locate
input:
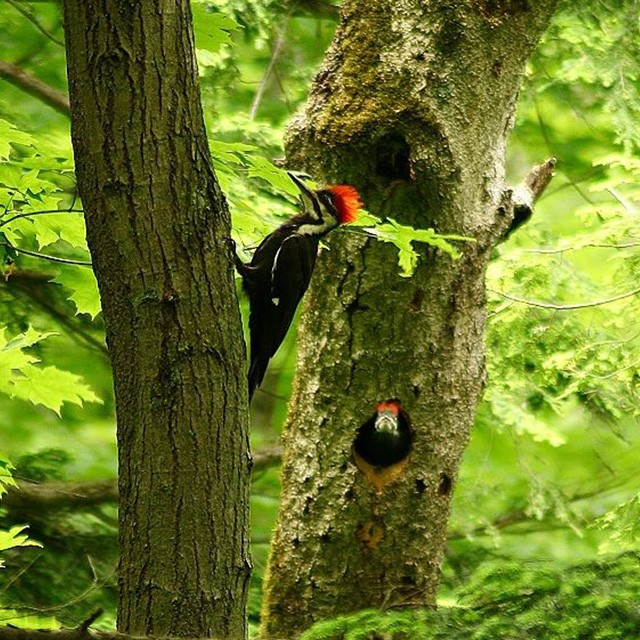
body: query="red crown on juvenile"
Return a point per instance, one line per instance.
(347, 201)
(390, 405)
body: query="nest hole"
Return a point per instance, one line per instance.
(393, 157)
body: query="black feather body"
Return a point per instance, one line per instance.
(275, 281)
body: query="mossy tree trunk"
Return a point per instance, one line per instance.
(157, 226)
(413, 106)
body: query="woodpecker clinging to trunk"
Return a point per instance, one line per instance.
(280, 271)
(385, 439)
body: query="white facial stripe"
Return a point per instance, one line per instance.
(317, 229)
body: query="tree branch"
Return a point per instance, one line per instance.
(32, 496)
(525, 195)
(35, 87)
(79, 633)
(39, 497)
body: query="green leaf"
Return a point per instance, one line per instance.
(11, 135)
(16, 538)
(236, 153)
(212, 28)
(403, 237)
(262, 168)
(6, 477)
(49, 386)
(83, 288)
(623, 525)
(24, 620)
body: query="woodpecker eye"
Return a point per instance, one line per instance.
(327, 201)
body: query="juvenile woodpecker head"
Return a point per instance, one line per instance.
(387, 417)
(385, 438)
(327, 207)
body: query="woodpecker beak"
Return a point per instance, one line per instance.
(307, 197)
(386, 422)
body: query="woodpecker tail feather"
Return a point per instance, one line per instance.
(256, 373)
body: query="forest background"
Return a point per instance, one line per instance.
(549, 479)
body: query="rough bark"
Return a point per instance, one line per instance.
(157, 226)
(413, 105)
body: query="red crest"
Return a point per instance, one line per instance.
(347, 201)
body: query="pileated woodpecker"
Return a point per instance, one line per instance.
(280, 270)
(385, 438)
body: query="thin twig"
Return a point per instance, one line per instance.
(566, 307)
(45, 256)
(38, 213)
(635, 363)
(275, 54)
(588, 245)
(628, 207)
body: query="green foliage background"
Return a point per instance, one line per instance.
(548, 494)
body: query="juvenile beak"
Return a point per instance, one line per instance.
(387, 422)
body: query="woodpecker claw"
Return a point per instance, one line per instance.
(233, 248)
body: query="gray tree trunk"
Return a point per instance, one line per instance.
(157, 225)
(413, 106)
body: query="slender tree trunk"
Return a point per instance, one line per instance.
(413, 105)
(157, 225)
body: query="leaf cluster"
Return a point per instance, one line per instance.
(508, 600)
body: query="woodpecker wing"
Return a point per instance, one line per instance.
(275, 293)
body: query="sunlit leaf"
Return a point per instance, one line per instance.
(9, 134)
(21, 377)
(82, 286)
(212, 28)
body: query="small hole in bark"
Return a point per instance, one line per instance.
(307, 506)
(343, 467)
(407, 580)
(325, 537)
(421, 485)
(295, 542)
(445, 484)
(416, 391)
(393, 157)
(416, 301)
(370, 534)
(349, 495)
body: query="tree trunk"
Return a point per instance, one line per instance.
(157, 225)
(413, 106)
